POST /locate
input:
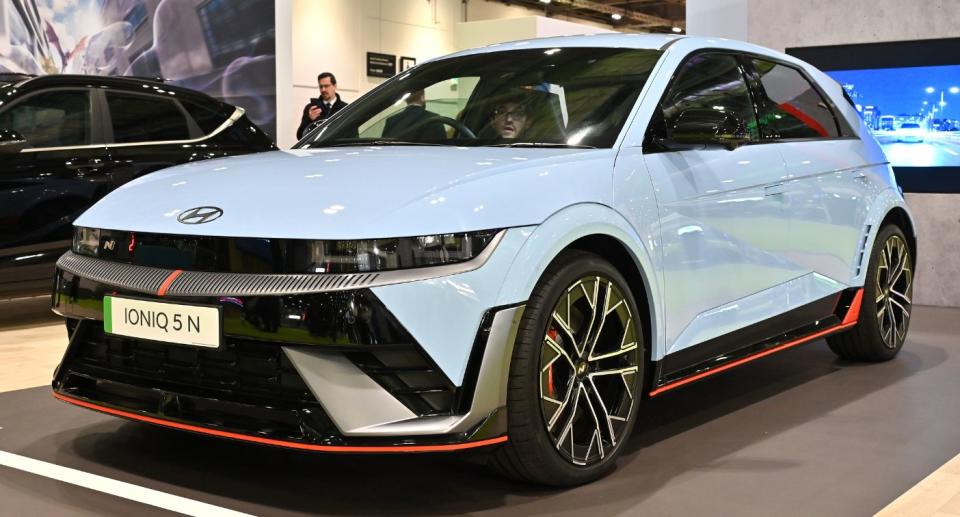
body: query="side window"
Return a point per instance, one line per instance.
(144, 118)
(711, 81)
(56, 118)
(207, 117)
(792, 107)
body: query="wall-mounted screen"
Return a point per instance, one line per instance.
(908, 94)
(913, 112)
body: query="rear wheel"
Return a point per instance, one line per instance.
(886, 305)
(575, 375)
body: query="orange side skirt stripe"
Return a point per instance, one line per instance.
(849, 320)
(282, 443)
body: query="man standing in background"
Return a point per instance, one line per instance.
(320, 109)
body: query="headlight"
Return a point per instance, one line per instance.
(397, 253)
(86, 241)
(258, 255)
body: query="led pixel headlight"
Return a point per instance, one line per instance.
(259, 255)
(397, 253)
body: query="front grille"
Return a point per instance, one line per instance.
(240, 371)
(242, 386)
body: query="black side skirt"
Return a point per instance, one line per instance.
(805, 323)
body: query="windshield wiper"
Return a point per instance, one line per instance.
(545, 144)
(363, 143)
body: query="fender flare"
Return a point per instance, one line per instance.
(547, 240)
(884, 203)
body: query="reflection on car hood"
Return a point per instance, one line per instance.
(360, 192)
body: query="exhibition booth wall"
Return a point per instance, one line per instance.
(224, 48)
(808, 23)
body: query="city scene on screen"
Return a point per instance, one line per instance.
(913, 112)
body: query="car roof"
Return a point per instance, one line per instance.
(621, 40)
(123, 83)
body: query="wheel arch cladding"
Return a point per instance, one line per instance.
(899, 217)
(597, 229)
(888, 207)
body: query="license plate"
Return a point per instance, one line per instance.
(195, 325)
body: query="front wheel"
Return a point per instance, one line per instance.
(886, 304)
(575, 375)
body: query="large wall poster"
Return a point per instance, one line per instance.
(225, 48)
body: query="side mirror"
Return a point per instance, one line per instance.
(11, 142)
(710, 127)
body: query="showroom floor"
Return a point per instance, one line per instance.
(798, 433)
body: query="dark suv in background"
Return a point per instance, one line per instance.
(66, 141)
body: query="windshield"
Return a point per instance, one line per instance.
(570, 97)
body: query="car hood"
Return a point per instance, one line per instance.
(360, 192)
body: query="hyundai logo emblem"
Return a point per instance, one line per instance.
(200, 215)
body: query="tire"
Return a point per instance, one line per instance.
(545, 385)
(886, 306)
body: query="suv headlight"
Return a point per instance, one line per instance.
(398, 253)
(235, 254)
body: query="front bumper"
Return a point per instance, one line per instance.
(329, 371)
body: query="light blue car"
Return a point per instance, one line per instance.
(506, 248)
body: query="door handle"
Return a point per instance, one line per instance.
(84, 166)
(774, 190)
(859, 175)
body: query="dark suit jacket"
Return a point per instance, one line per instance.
(414, 123)
(324, 114)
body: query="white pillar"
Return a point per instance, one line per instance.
(286, 119)
(717, 18)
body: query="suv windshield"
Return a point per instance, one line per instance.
(569, 97)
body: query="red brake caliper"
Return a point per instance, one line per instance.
(553, 335)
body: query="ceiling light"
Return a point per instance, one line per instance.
(544, 1)
(677, 29)
(616, 16)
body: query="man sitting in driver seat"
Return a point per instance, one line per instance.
(509, 118)
(414, 122)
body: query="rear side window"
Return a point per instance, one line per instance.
(793, 108)
(710, 82)
(144, 118)
(208, 118)
(57, 118)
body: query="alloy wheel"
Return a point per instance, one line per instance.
(589, 364)
(894, 290)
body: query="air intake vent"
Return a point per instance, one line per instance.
(863, 250)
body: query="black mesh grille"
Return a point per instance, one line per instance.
(241, 371)
(406, 374)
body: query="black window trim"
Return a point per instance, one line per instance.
(743, 58)
(96, 139)
(193, 129)
(753, 77)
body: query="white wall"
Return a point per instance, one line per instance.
(780, 24)
(335, 35)
(718, 18)
(485, 32)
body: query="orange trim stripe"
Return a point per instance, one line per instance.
(281, 443)
(169, 281)
(853, 313)
(749, 358)
(849, 320)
